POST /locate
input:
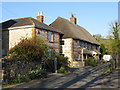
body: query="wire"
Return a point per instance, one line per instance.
(10, 12)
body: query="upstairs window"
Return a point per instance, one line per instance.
(50, 37)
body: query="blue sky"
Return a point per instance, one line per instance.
(95, 17)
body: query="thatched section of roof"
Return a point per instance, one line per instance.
(74, 31)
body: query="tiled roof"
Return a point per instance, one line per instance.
(16, 23)
(74, 31)
(27, 21)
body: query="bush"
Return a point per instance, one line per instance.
(34, 74)
(39, 73)
(16, 80)
(64, 70)
(90, 62)
(107, 71)
(29, 49)
(62, 61)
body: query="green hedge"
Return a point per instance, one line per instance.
(90, 62)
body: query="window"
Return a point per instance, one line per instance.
(50, 36)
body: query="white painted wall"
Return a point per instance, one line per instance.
(16, 35)
(67, 48)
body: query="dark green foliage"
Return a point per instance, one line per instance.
(34, 74)
(62, 61)
(90, 62)
(16, 80)
(29, 49)
(103, 49)
(39, 73)
(116, 43)
(64, 70)
(63, 64)
(107, 71)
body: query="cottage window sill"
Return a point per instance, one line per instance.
(51, 41)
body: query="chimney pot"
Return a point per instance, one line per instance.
(73, 19)
(40, 17)
(40, 13)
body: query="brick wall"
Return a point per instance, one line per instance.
(43, 35)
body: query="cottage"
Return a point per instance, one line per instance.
(79, 44)
(16, 29)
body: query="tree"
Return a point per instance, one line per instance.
(103, 50)
(29, 49)
(116, 42)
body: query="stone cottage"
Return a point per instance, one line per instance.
(77, 43)
(16, 29)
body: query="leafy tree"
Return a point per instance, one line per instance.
(29, 49)
(116, 42)
(103, 50)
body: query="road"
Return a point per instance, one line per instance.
(81, 78)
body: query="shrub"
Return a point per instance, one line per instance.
(62, 61)
(34, 74)
(64, 70)
(39, 73)
(16, 80)
(107, 71)
(90, 62)
(29, 49)
(5, 83)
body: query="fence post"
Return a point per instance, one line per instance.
(55, 64)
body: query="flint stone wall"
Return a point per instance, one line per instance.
(11, 67)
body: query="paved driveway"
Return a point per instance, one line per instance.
(81, 78)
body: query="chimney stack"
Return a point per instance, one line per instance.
(73, 19)
(40, 17)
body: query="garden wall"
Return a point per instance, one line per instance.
(12, 67)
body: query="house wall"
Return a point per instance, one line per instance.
(71, 49)
(12, 37)
(67, 49)
(76, 49)
(15, 36)
(5, 42)
(44, 35)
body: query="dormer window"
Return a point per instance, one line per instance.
(50, 37)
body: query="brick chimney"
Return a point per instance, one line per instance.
(40, 17)
(73, 19)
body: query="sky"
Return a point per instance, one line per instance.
(95, 17)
